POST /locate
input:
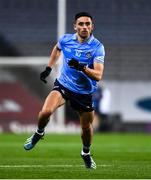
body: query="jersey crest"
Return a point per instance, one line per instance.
(78, 52)
(88, 55)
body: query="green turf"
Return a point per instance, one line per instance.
(58, 156)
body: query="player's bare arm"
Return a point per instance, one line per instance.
(95, 73)
(54, 56)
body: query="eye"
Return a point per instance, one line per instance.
(87, 23)
(84, 23)
(80, 23)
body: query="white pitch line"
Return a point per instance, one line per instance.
(51, 165)
(6, 144)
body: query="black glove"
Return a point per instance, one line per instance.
(45, 73)
(73, 63)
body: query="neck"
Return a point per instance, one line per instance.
(81, 39)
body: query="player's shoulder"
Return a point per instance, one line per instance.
(67, 37)
(97, 42)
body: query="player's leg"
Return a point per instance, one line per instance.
(52, 102)
(86, 119)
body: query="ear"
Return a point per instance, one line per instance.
(74, 26)
(92, 26)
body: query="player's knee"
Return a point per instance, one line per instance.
(85, 127)
(46, 112)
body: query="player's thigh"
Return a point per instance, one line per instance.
(53, 101)
(86, 117)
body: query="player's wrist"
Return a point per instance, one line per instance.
(81, 67)
(84, 68)
(48, 69)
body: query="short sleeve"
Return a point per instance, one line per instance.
(59, 45)
(60, 42)
(99, 54)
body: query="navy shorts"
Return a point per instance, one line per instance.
(79, 102)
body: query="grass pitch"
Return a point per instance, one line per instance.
(58, 157)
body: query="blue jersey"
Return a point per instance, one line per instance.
(86, 53)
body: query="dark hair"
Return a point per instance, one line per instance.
(80, 14)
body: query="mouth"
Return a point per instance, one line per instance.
(84, 32)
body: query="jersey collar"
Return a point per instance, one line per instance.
(88, 41)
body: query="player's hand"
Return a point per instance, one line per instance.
(45, 73)
(73, 63)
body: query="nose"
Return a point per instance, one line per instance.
(84, 26)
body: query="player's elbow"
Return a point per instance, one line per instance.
(98, 74)
(98, 78)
